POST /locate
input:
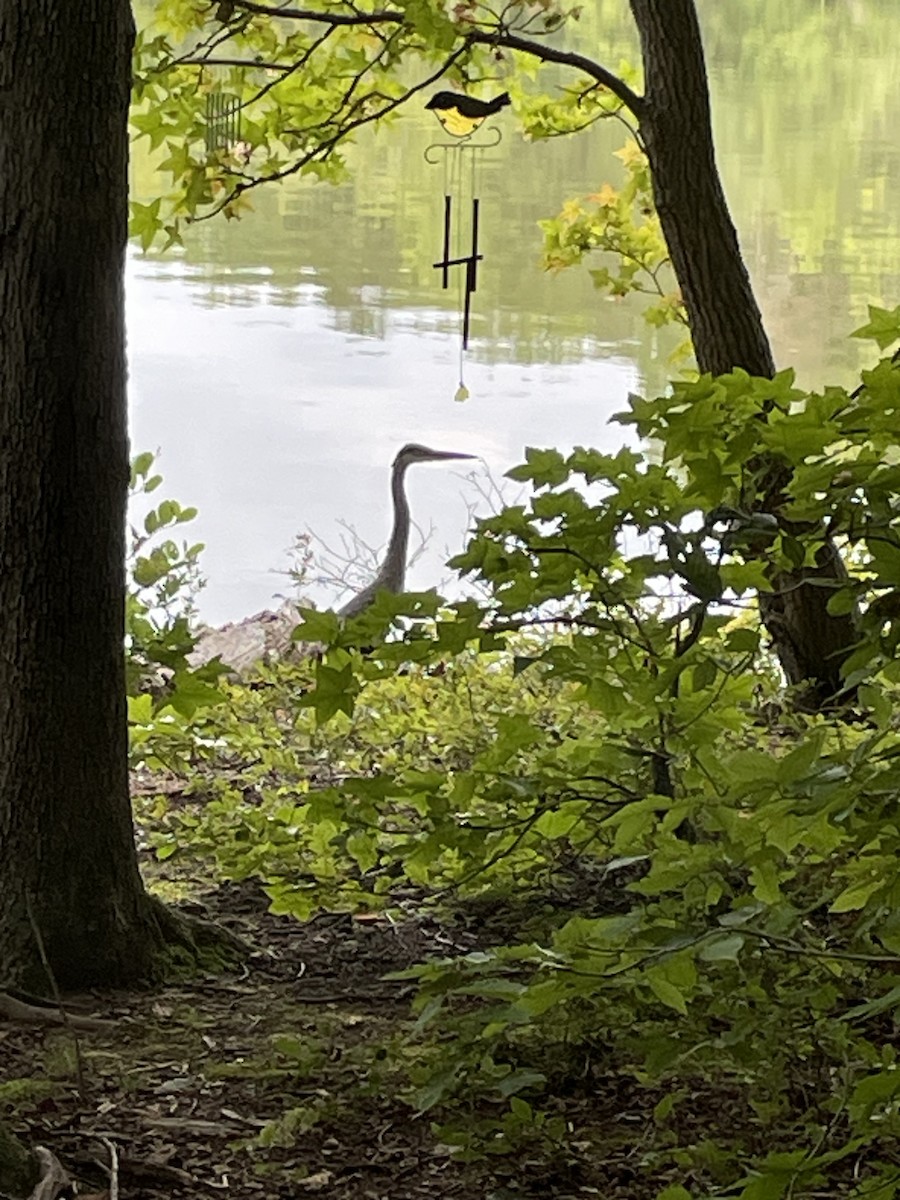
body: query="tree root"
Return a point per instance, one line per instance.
(187, 943)
(45, 1012)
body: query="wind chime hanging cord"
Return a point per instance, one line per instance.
(462, 392)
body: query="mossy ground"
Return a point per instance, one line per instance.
(283, 1078)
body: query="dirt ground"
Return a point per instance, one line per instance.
(189, 1080)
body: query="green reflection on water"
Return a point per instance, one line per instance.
(806, 98)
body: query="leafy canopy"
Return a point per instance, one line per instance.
(307, 80)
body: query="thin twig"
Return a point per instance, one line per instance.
(113, 1169)
(202, 61)
(54, 987)
(787, 946)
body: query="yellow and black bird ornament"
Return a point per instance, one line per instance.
(461, 115)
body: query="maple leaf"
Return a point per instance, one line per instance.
(630, 154)
(607, 197)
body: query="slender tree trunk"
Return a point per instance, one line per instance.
(724, 318)
(69, 882)
(726, 326)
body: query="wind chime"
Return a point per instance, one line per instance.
(223, 126)
(461, 116)
(223, 121)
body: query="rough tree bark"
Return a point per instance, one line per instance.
(724, 318)
(17, 1168)
(69, 882)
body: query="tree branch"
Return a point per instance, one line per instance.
(235, 62)
(322, 150)
(327, 18)
(567, 58)
(497, 37)
(298, 66)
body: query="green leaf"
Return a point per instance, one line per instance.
(438, 1086)
(883, 326)
(765, 879)
(694, 567)
(518, 1081)
(665, 1106)
(145, 222)
(317, 626)
(556, 824)
(886, 560)
(140, 709)
(770, 1186)
(523, 662)
(751, 766)
(798, 763)
(724, 947)
(740, 916)
(857, 895)
(335, 691)
(875, 1091)
(363, 849)
(190, 692)
(742, 641)
(544, 468)
(704, 675)
(890, 1000)
(843, 601)
(140, 465)
(666, 991)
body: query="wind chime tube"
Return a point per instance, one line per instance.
(472, 266)
(471, 274)
(446, 256)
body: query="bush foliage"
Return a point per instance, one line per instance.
(689, 886)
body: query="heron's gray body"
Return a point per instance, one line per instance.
(392, 572)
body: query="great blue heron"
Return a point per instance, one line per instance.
(266, 637)
(392, 573)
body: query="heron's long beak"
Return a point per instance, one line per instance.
(442, 454)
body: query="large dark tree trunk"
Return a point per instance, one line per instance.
(725, 322)
(69, 879)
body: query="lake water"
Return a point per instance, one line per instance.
(278, 363)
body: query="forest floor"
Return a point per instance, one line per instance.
(266, 1083)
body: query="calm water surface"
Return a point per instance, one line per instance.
(278, 363)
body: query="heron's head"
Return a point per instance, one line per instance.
(414, 453)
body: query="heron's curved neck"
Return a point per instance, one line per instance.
(395, 559)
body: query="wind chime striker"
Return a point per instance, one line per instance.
(461, 116)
